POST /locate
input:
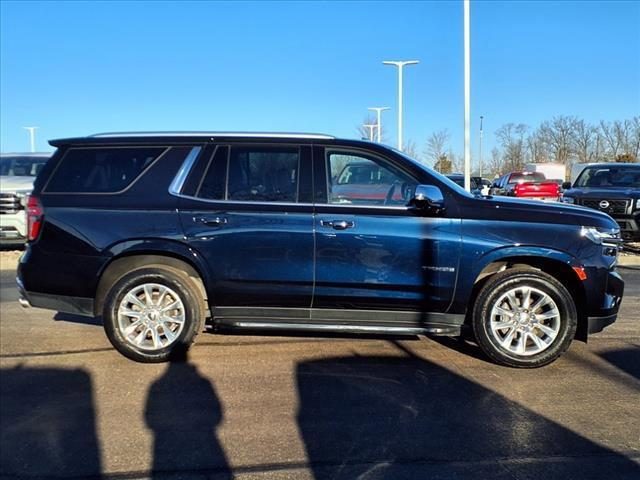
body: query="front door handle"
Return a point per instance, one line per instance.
(210, 221)
(338, 224)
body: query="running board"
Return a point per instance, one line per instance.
(449, 330)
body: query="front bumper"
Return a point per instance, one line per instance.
(597, 324)
(13, 228)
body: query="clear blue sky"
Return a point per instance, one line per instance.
(76, 68)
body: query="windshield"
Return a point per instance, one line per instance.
(447, 181)
(21, 166)
(610, 177)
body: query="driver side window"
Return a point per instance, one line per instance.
(358, 180)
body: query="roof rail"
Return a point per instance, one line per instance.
(214, 134)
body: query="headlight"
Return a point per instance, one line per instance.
(22, 196)
(602, 236)
(568, 200)
(637, 203)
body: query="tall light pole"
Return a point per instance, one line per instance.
(467, 103)
(480, 153)
(370, 126)
(378, 110)
(32, 137)
(400, 65)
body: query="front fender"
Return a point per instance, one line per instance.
(517, 253)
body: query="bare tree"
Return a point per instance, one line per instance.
(612, 141)
(511, 138)
(635, 138)
(496, 165)
(437, 146)
(537, 148)
(558, 136)
(411, 150)
(583, 138)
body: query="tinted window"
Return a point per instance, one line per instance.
(101, 170)
(623, 177)
(22, 166)
(215, 177)
(354, 179)
(263, 174)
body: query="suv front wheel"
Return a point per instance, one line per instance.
(153, 314)
(524, 318)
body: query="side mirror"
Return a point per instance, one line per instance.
(566, 185)
(427, 197)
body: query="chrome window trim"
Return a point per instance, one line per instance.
(288, 204)
(187, 165)
(178, 181)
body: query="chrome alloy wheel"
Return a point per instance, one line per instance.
(151, 316)
(525, 321)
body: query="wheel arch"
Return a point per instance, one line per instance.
(133, 256)
(557, 264)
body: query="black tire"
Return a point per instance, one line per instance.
(501, 283)
(177, 281)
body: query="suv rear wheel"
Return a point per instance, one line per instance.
(153, 314)
(524, 318)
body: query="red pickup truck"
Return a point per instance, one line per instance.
(527, 185)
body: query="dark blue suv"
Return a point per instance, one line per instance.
(160, 233)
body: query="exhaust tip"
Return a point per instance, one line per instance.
(24, 303)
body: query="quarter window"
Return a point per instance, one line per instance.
(358, 180)
(263, 174)
(213, 183)
(101, 170)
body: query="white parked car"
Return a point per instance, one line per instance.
(17, 173)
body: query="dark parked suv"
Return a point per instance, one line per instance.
(613, 188)
(159, 233)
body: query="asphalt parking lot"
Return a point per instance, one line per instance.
(309, 407)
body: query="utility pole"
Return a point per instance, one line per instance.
(371, 127)
(378, 110)
(467, 102)
(32, 137)
(400, 65)
(480, 155)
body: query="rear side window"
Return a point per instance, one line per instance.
(263, 174)
(101, 170)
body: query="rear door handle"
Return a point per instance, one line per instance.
(210, 221)
(338, 224)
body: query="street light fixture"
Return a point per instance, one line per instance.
(371, 127)
(378, 110)
(32, 137)
(400, 65)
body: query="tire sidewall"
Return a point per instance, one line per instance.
(170, 279)
(540, 281)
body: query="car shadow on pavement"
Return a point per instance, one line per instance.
(47, 423)
(183, 411)
(383, 417)
(627, 360)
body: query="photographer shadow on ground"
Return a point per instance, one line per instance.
(397, 417)
(47, 424)
(183, 411)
